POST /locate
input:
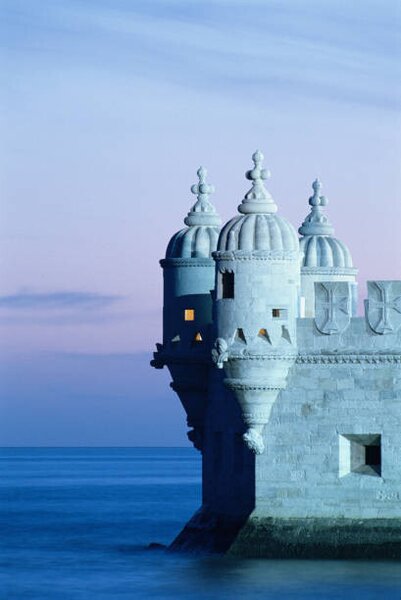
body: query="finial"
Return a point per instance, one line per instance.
(257, 172)
(317, 199)
(202, 189)
(203, 211)
(316, 223)
(258, 199)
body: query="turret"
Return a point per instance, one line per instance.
(188, 271)
(324, 257)
(256, 305)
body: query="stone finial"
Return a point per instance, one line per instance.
(317, 199)
(258, 199)
(203, 212)
(202, 189)
(316, 223)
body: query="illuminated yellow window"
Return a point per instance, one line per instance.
(198, 337)
(189, 314)
(263, 334)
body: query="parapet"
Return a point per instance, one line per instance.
(333, 330)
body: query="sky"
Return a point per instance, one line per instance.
(108, 107)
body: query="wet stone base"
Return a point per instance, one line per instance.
(258, 537)
(207, 532)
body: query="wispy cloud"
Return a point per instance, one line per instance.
(315, 50)
(63, 300)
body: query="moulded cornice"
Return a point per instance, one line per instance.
(328, 271)
(368, 358)
(243, 255)
(169, 263)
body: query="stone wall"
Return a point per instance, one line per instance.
(343, 392)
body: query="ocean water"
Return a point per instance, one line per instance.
(75, 524)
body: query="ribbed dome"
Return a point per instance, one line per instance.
(258, 227)
(318, 245)
(199, 239)
(193, 242)
(324, 251)
(258, 232)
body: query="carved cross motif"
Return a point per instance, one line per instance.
(382, 306)
(332, 306)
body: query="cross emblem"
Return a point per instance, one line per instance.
(330, 306)
(385, 305)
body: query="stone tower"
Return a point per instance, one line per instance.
(293, 400)
(324, 257)
(188, 271)
(256, 306)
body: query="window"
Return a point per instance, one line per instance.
(373, 456)
(263, 334)
(360, 454)
(198, 337)
(189, 314)
(176, 339)
(279, 313)
(227, 279)
(240, 336)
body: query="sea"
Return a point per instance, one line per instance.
(77, 523)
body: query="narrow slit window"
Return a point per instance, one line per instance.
(189, 314)
(228, 284)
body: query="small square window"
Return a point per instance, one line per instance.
(279, 313)
(189, 314)
(360, 453)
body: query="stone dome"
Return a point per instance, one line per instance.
(319, 247)
(199, 239)
(258, 227)
(193, 242)
(324, 251)
(258, 232)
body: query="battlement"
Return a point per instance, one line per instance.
(334, 329)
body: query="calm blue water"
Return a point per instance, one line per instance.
(75, 524)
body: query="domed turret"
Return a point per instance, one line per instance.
(188, 271)
(258, 227)
(324, 257)
(257, 284)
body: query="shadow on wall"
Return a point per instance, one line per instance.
(228, 477)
